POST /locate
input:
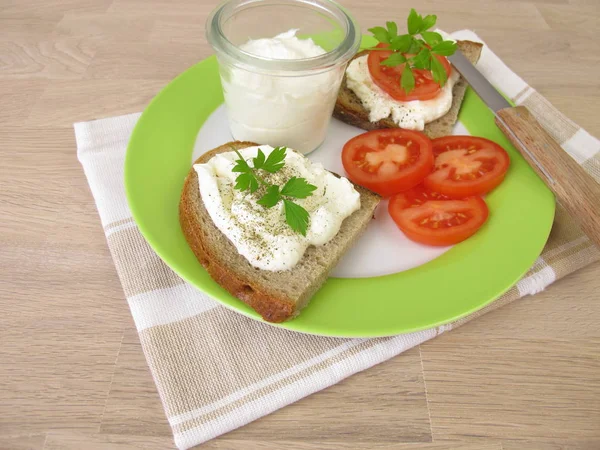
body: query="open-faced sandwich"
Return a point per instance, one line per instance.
(269, 225)
(405, 81)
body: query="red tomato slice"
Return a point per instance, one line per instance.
(388, 78)
(431, 218)
(467, 165)
(388, 161)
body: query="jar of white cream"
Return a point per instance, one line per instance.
(281, 63)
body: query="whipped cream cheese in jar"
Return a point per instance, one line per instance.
(281, 63)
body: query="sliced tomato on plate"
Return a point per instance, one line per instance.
(467, 165)
(428, 217)
(388, 161)
(388, 78)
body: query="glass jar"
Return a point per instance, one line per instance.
(281, 102)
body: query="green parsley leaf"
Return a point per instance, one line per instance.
(422, 60)
(259, 160)
(381, 34)
(392, 29)
(401, 43)
(296, 216)
(241, 166)
(249, 179)
(415, 46)
(428, 22)
(246, 181)
(407, 81)
(438, 71)
(432, 38)
(275, 160)
(271, 198)
(414, 22)
(395, 59)
(445, 48)
(417, 50)
(298, 188)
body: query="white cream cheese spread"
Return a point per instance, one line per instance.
(412, 115)
(261, 234)
(281, 109)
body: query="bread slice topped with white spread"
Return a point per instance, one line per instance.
(249, 249)
(350, 108)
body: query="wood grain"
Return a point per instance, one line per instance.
(78, 441)
(348, 445)
(118, 97)
(522, 385)
(72, 373)
(30, 58)
(74, 441)
(396, 414)
(132, 406)
(18, 99)
(574, 188)
(27, 442)
(25, 9)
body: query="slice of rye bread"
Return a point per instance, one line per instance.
(276, 296)
(350, 109)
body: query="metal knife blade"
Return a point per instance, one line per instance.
(478, 82)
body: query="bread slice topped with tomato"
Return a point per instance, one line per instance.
(406, 81)
(349, 108)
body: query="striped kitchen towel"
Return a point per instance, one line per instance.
(216, 370)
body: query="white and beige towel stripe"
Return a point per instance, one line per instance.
(216, 370)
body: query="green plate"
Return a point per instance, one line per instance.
(457, 283)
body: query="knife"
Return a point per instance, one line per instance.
(573, 187)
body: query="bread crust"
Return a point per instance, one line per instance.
(349, 109)
(272, 306)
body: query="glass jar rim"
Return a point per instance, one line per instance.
(340, 54)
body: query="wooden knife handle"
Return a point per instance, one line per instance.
(574, 188)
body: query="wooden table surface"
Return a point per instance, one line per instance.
(72, 373)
